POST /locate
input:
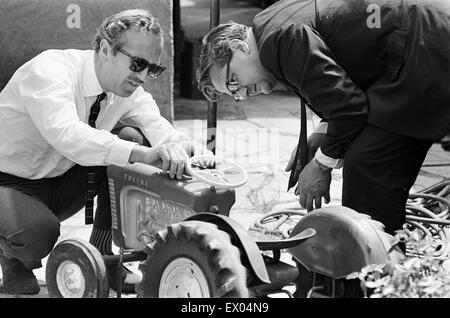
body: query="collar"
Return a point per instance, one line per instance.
(91, 85)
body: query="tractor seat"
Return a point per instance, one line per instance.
(266, 241)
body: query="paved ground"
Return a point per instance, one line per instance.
(259, 134)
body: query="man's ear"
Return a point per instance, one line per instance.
(105, 50)
(239, 45)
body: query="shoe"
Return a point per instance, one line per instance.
(17, 279)
(129, 279)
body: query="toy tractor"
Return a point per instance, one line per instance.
(188, 246)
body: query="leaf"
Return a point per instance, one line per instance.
(416, 235)
(434, 268)
(432, 289)
(352, 275)
(373, 284)
(446, 265)
(372, 268)
(388, 290)
(411, 262)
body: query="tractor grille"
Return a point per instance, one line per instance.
(112, 195)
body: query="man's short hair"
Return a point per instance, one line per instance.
(216, 50)
(114, 26)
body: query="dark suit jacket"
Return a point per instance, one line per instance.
(350, 70)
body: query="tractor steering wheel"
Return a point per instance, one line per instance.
(225, 174)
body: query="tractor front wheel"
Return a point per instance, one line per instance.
(193, 259)
(75, 269)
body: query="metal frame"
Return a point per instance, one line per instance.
(212, 106)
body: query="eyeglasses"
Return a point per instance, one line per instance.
(138, 64)
(233, 84)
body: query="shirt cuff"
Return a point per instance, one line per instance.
(120, 152)
(328, 161)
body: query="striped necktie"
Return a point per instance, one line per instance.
(91, 189)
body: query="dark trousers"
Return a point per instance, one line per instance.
(31, 210)
(379, 170)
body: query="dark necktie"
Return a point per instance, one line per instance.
(301, 156)
(91, 191)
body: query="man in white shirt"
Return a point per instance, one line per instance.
(47, 142)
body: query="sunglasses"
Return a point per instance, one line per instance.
(233, 85)
(138, 64)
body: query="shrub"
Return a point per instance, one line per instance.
(424, 273)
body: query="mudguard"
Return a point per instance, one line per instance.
(345, 242)
(249, 248)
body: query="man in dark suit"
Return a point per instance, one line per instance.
(377, 72)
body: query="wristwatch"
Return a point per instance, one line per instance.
(321, 165)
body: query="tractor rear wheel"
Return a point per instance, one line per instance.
(354, 239)
(192, 259)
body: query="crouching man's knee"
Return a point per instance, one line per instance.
(35, 241)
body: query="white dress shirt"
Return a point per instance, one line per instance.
(44, 111)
